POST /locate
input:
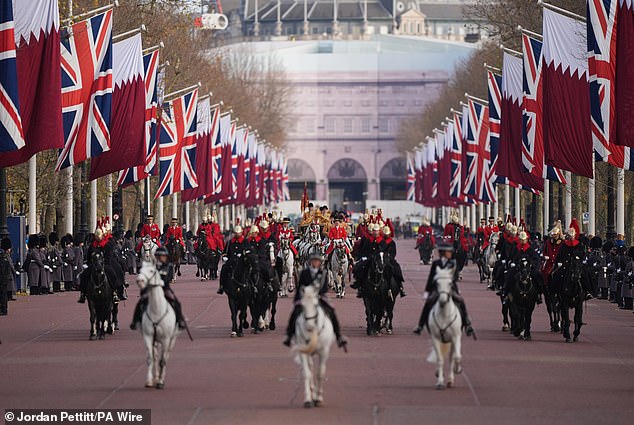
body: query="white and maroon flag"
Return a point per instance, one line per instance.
(623, 51)
(37, 57)
(127, 123)
(86, 89)
(566, 95)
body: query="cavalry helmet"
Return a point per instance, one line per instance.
(316, 256)
(161, 251)
(444, 246)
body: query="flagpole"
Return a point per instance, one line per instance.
(130, 33)
(93, 205)
(175, 205)
(568, 199)
(546, 206)
(480, 212)
(181, 91)
(75, 18)
(153, 48)
(68, 201)
(620, 202)
(507, 200)
(592, 204)
(33, 194)
(160, 212)
(488, 211)
(187, 216)
(518, 207)
(560, 10)
(109, 196)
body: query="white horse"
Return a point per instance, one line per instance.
(339, 268)
(158, 326)
(490, 256)
(148, 248)
(267, 319)
(445, 328)
(313, 337)
(287, 284)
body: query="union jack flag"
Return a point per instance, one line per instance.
(216, 151)
(11, 131)
(236, 145)
(602, 78)
(494, 82)
(478, 152)
(86, 89)
(135, 174)
(532, 136)
(411, 178)
(455, 186)
(177, 145)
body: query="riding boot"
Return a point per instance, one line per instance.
(138, 313)
(466, 322)
(330, 312)
(220, 290)
(180, 319)
(290, 330)
(402, 292)
(121, 293)
(82, 298)
(422, 322)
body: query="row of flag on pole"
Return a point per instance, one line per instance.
(73, 89)
(551, 108)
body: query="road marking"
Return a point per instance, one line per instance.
(121, 385)
(195, 416)
(475, 396)
(375, 414)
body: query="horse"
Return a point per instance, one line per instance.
(203, 255)
(523, 296)
(425, 249)
(489, 255)
(175, 253)
(148, 248)
(313, 337)
(264, 303)
(158, 326)
(571, 296)
(445, 329)
(378, 296)
(339, 268)
(99, 295)
(235, 279)
(286, 267)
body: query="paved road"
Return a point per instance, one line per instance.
(46, 361)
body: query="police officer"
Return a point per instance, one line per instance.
(166, 271)
(446, 260)
(314, 274)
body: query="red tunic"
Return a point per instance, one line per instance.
(449, 233)
(153, 231)
(551, 250)
(424, 231)
(177, 233)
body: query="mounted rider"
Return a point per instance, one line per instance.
(572, 251)
(151, 229)
(425, 230)
(234, 250)
(388, 246)
(368, 247)
(524, 251)
(166, 271)
(175, 231)
(455, 235)
(286, 232)
(104, 243)
(261, 249)
(445, 252)
(315, 275)
(552, 246)
(338, 234)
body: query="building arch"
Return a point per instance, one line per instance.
(347, 185)
(393, 179)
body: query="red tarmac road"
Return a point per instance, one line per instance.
(46, 361)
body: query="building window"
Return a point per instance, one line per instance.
(347, 103)
(365, 125)
(330, 124)
(400, 102)
(365, 102)
(347, 125)
(383, 103)
(384, 125)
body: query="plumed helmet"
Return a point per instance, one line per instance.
(161, 251)
(237, 229)
(455, 219)
(514, 229)
(574, 224)
(386, 231)
(596, 242)
(254, 229)
(572, 232)
(264, 224)
(509, 226)
(425, 222)
(99, 234)
(523, 236)
(5, 244)
(53, 238)
(213, 219)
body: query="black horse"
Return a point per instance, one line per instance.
(425, 249)
(99, 293)
(264, 298)
(523, 294)
(571, 296)
(378, 295)
(235, 279)
(203, 255)
(175, 250)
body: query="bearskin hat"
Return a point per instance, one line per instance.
(5, 244)
(607, 246)
(596, 242)
(33, 241)
(53, 238)
(43, 241)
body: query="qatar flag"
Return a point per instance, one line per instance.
(127, 122)
(509, 163)
(253, 176)
(624, 87)
(566, 95)
(39, 78)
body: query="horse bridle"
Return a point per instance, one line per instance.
(443, 331)
(157, 322)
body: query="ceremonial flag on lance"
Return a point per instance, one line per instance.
(566, 95)
(37, 57)
(86, 89)
(177, 145)
(127, 123)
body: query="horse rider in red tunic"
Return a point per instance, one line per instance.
(423, 230)
(176, 232)
(454, 234)
(150, 229)
(286, 232)
(337, 233)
